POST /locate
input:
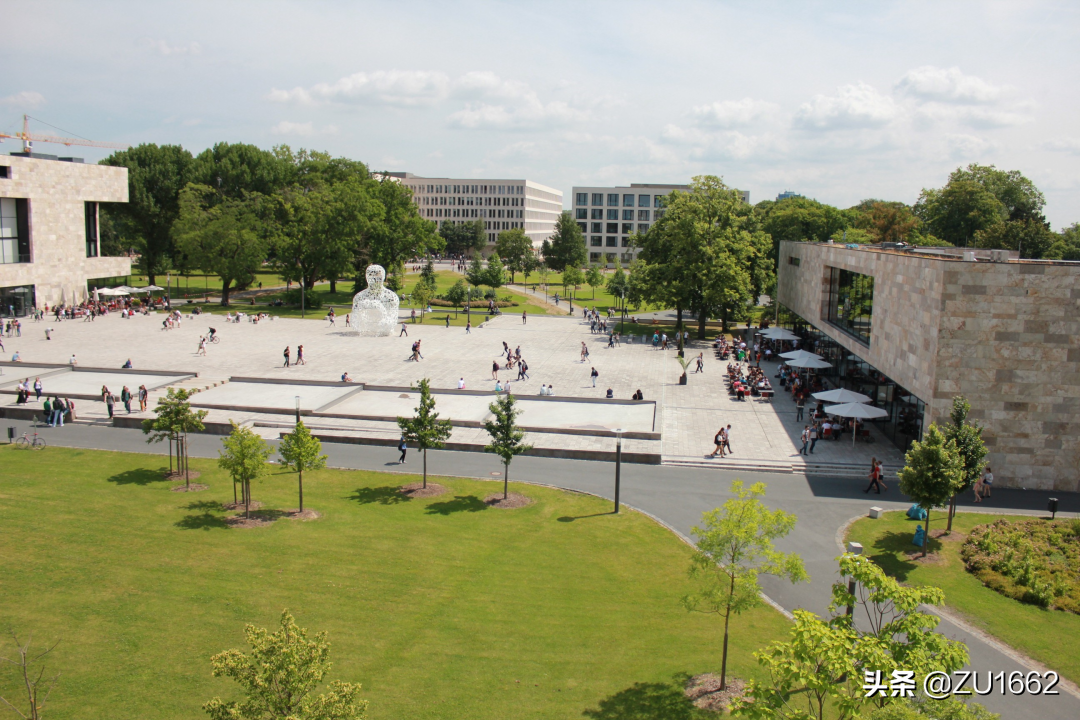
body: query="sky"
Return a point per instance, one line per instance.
(839, 101)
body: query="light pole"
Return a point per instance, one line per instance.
(618, 465)
(297, 409)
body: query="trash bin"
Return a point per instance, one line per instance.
(10, 435)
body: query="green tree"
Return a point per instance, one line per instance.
(594, 276)
(1031, 238)
(1019, 197)
(396, 231)
(506, 436)
(734, 547)
(243, 455)
(566, 246)
(514, 246)
(279, 677)
(425, 429)
(571, 278)
(421, 296)
(529, 265)
(457, 293)
(463, 238)
(1066, 245)
(933, 472)
(173, 420)
(225, 238)
(155, 177)
(237, 169)
(617, 284)
(495, 274)
(820, 671)
(475, 272)
(969, 443)
(922, 708)
(428, 276)
(958, 211)
(300, 451)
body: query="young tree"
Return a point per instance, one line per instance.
(421, 296)
(428, 276)
(457, 293)
(566, 247)
(173, 420)
(243, 455)
(513, 246)
(825, 663)
(475, 273)
(572, 277)
(465, 238)
(735, 545)
(300, 450)
(495, 274)
(594, 276)
(969, 443)
(37, 686)
(530, 264)
(424, 428)
(617, 284)
(279, 677)
(506, 436)
(933, 472)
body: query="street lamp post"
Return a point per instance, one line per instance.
(618, 465)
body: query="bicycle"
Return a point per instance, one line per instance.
(25, 443)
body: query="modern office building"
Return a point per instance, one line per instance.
(608, 216)
(915, 327)
(49, 229)
(501, 204)
(787, 194)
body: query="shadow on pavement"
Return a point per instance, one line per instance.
(460, 503)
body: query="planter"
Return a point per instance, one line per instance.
(682, 379)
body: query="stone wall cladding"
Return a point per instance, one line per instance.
(57, 192)
(1005, 335)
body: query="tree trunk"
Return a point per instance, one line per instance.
(187, 472)
(425, 468)
(678, 317)
(506, 480)
(333, 286)
(727, 621)
(170, 456)
(926, 536)
(226, 286)
(702, 318)
(247, 499)
(301, 490)
(234, 500)
(952, 511)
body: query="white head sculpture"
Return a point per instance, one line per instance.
(375, 309)
(376, 275)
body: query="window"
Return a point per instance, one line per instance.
(657, 201)
(597, 214)
(14, 231)
(627, 257)
(792, 260)
(613, 199)
(596, 241)
(643, 227)
(628, 200)
(582, 214)
(91, 209)
(583, 198)
(598, 198)
(851, 302)
(594, 257)
(613, 228)
(626, 242)
(627, 214)
(613, 242)
(627, 228)
(643, 215)
(643, 201)
(612, 214)
(610, 257)
(584, 227)
(5, 171)
(597, 227)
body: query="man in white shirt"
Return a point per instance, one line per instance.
(461, 384)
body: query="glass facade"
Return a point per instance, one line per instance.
(17, 301)
(904, 422)
(851, 302)
(14, 231)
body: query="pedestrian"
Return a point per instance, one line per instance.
(594, 375)
(330, 316)
(70, 408)
(125, 397)
(110, 404)
(461, 383)
(727, 440)
(523, 370)
(348, 319)
(988, 482)
(402, 447)
(700, 363)
(524, 317)
(48, 333)
(144, 395)
(718, 443)
(37, 388)
(202, 346)
(447, 322)
(805, 437)
(404, 330)
(800, 405)
(46, 408)
(300, 355)
(813, 437)
(468, 327)
(875, 477)
(286, 354)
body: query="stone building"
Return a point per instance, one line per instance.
(914, 327)
(49, 244)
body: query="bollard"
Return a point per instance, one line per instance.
(1052, 506)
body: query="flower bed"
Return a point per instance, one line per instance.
(482, 304)
(1033, 561)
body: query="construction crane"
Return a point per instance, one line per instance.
(28, 139)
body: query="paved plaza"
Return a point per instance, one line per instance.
(676, 422)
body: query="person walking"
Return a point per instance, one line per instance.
(700, 363)
(495, 370)
(875, 477)
(800, 405)
(805, 437)
(468, 327)
(524, 316)
(594, 375)
(447, 322)
(523, 370)
(70, 408)
(813, 437)
(404, 330)
(286, 354)
(37, 388)
(718, 443)
(125, 397)
(202, 346)
(110, 404)
(727, 440)
(144, 395)
(300, 355)
(988, 482)
(403, 448)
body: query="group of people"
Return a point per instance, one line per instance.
(722, 442)
(299, 356)
(23, 389)
(125, 397)
(746, 382)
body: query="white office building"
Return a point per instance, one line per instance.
(501, 204)
(609, 215)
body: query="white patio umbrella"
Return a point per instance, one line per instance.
(799, 355)
(857, 411)
(842, 396)
(112, 291)
(152, 288)
(815, 363)
(779, 334)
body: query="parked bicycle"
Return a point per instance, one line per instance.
(28, 443)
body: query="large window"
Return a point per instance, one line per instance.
(627, 228)
(851, 302)
(613, 199)
(628, 200)
(598, 198)
(627, 214)
(17, 301)
(597, 227)
(613, 228)
(582, 214)
(91, 229)
(14, 231)
(642, 215)
(583, 198)
(596, 241)
(643, 200)
(612, 214)
(613, 242)
(597, 214)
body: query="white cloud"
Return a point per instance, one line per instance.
(976, 117)
(725, 145)
(26, 100)
(527, 112)
(853, 106)
(963, 147)
(1064, 144)
(291, 128)
(384, 87)
(164, 48)
(736, 113)
(947, 85)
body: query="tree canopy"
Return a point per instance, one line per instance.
(566, 246)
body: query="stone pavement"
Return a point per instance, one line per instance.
(688, 416)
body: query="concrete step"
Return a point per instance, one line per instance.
(770, 466)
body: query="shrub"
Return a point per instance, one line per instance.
(312, 300)
(456, 294)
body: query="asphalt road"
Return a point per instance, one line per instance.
(677, 497)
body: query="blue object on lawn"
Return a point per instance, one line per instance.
(916, 513)
(920, 536)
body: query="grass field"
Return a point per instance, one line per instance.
(441, 607)
(1030, 629)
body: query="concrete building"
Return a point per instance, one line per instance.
(787, 194)
(49, 246)
(914, 327)
(501, 204)
(608, 216)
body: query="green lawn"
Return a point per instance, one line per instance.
(1030, 629)
(196, 285)
(441, 607)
